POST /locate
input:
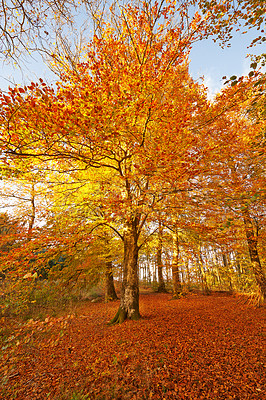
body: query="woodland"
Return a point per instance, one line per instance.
(132, 218)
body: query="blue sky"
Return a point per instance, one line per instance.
(207, 59)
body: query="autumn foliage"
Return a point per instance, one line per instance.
(125, 147)
(128, 195)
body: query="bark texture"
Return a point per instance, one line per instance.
(110, 293)
(129, 302)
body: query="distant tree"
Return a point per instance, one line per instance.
(237, 172)
(159, 263)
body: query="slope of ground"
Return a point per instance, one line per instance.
(198, 347)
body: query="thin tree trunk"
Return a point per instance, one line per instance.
(110, 293)
(216, 268)
(148, 271)
(253, 252)
(188, 275)
(145, 272)
(177, 287)
(205, 286)
(167, 267)
(33, 211)
(239, 271)
(154, 274)
(161, 286)
(129, 302)
(228, 272)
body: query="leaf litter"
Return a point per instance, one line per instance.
(197, 347)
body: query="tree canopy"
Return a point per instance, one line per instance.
(127, 145)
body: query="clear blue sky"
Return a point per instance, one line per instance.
(208, 59)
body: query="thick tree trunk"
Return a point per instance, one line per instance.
(253, 252)
(161, 286)
(177, 287)
(110, 293)
(129, 303)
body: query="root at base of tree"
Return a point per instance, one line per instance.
(122, 315)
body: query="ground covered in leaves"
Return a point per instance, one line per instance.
(198, 347)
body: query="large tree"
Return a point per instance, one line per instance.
(132, 111)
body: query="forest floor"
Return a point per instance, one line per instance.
(198, 347)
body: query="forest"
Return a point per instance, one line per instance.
(124, 186)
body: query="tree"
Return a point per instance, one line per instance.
(125, 112)
(242, 15)
(226, 15)
(159, 264)
(28, 26)
(177, 287)
(23, 21)
(237, 174)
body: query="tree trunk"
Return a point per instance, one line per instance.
(177, 287)
(167, 269)
(216, 268)
(129, 302)
(148, 271)
(33, 212)
(188, 275)
(161, 286)
(205, 286)
(110, 293)
(239, 271)
(253, 252)
(228, 272)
